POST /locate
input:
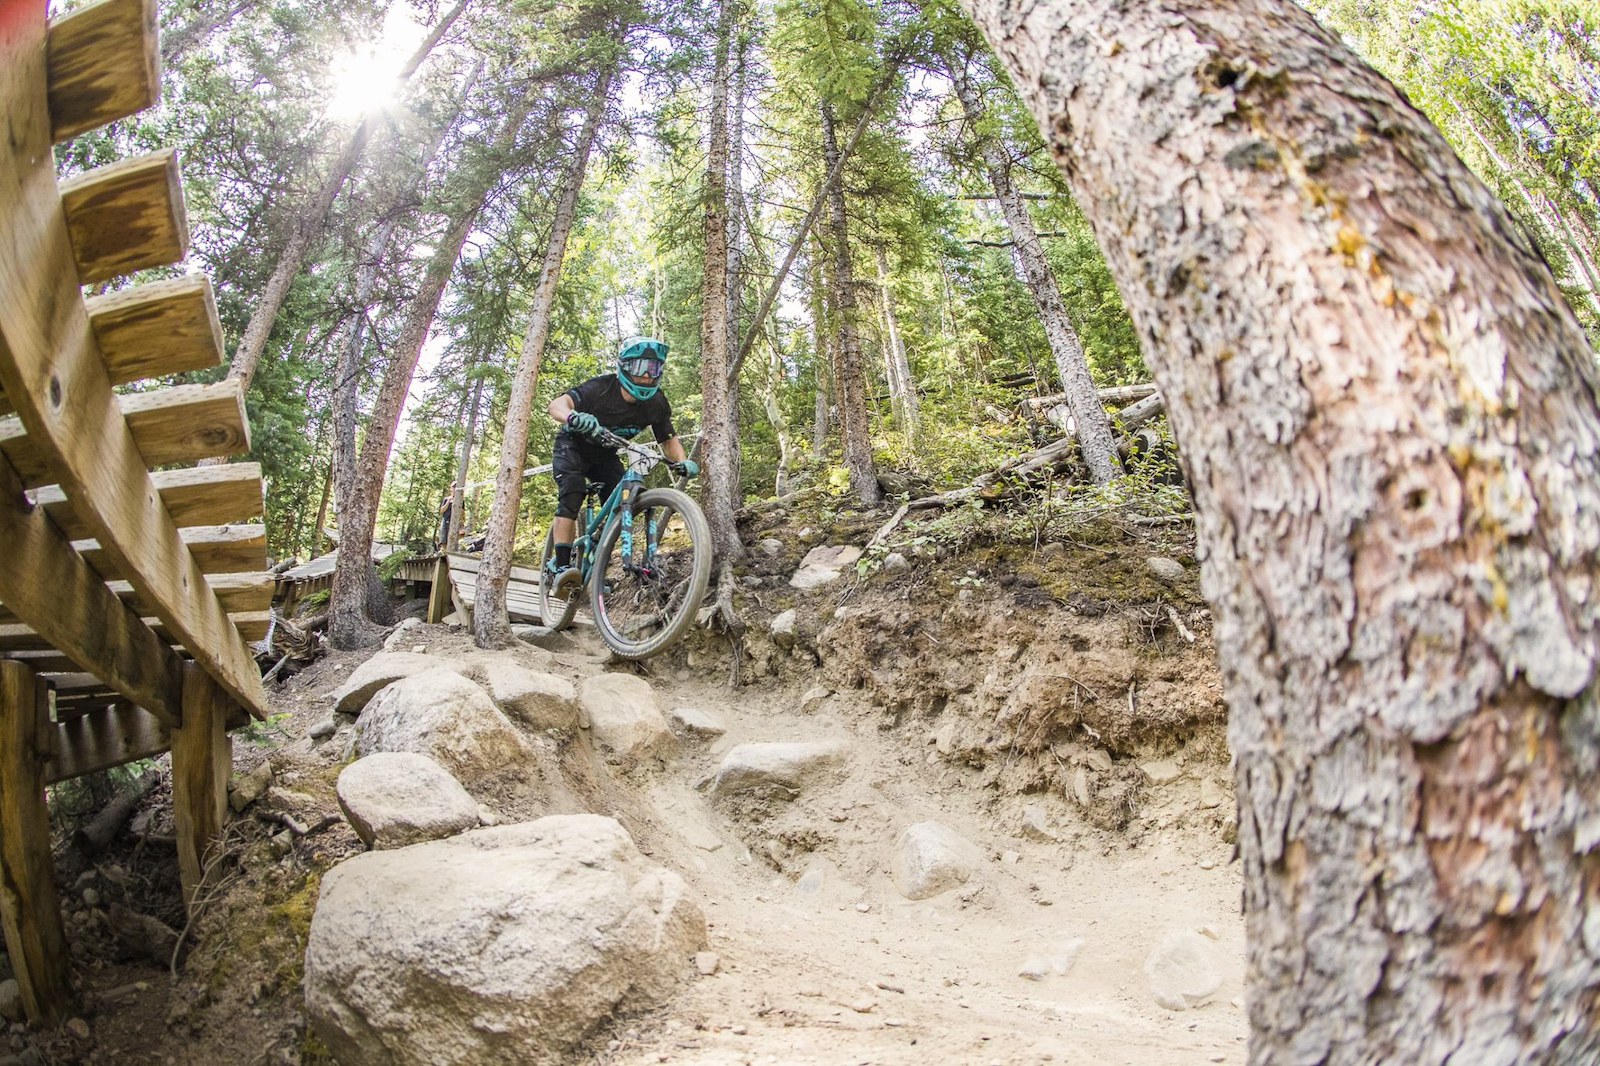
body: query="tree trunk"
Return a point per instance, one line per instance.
(1389, 417)
(458, 491)
(491, 624)
(307, 226)
(1093, 428)
(902, 388)
(348, 624)
(719, 430)
(823, 360)
(849, 373)
(740, 46)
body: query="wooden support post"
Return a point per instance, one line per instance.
(439, 594)
(202, 761)
(29, 909)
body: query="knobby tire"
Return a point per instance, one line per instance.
(681, 590)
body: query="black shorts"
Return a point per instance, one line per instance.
(576, 462)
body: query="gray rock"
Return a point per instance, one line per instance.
(325, 728)
(10, 1000)
(1036, 824)
(1211, 793)
(78, 1028)
(783, 626)
(787, 764)
(895, 561)
(694, 722)
(1161, 771)
(382, 670)
(930, 858)
(824, 564)
(440, 714)
(621, 714)
(510, 944)
(1168, 570)
(396, 798)
(403, 634)
(1097, 759)
(771, 546)
(1080, 786)
(246, 788)
(538, 701)
(544, 637)
(1055, 962)
(1182, 970)
(812, 697)
(706, 962)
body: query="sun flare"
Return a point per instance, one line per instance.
(367, 79)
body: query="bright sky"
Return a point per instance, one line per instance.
(368, 78)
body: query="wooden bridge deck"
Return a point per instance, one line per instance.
(127, 594)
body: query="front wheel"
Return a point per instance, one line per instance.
(555, 611)
(646, 596)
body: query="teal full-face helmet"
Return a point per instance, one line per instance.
(640, 363)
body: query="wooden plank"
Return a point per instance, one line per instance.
(51, 661)
(470, 564)
(238, 594)
(164, 327)
(439, 593)
(52, 588)
(29, 910)
(103, 738)
(126, 216)
(197, 496)
(178, 424)
(51, 370)
(202, 761)
(104, 64)
(237, 549)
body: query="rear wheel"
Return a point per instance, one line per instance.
(555, 611)
(646, 598)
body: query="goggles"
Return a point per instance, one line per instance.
(644, 367)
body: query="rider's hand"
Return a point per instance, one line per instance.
(583, 423)
(687, 468)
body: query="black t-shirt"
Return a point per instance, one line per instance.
(602, 397)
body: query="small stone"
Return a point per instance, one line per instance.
(1036, 824)
(324, 729)
(1211, 794)
(706, 962)
(1209, 932)
(861, 1006)
(1208, 864)
(91, 898)
(1080, 786)
(894, 1023)
(782, 627)
(864, 908)
(895, 561)
(694, 722)
(10, 1000)
(1097, 759)
(771, 546)
(487, 817)
(1161, 771)
(1182, 970)
(78, 1028)
(1168, 570)
(739, 1030)
(1035, 969)
(419, 649)
(1010, 858)
(813, 697)
(1230, 829)
(249, 787)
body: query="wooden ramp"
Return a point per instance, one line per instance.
(309, 578)
(127, 594)
(454, 580)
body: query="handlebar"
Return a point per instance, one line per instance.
(650, 454)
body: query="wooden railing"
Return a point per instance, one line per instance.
(127, 594)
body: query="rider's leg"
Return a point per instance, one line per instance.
(570, 468)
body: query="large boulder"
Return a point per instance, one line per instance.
(537, 700)
(440, 714)
(380, 671)
(824, 564)
(930, 858)
(500, 945)
(396, 798)
(621, 715)
(789, 765)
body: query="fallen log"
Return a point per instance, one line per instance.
(95, 835)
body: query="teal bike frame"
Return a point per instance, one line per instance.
(592, 522)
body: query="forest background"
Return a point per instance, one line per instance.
(375, 189)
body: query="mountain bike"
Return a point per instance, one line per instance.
(644, 555)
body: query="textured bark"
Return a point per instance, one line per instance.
(458, 494)
(902, 389)
(348, 621)
(822, 359)
(719, 431)
(1389, 417)
(849, 371)
(308, 225)
(491, 624)
(1092, 426)
(736, 102)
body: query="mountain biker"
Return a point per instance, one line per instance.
(625, 403)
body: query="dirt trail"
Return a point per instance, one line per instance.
(822, 960)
